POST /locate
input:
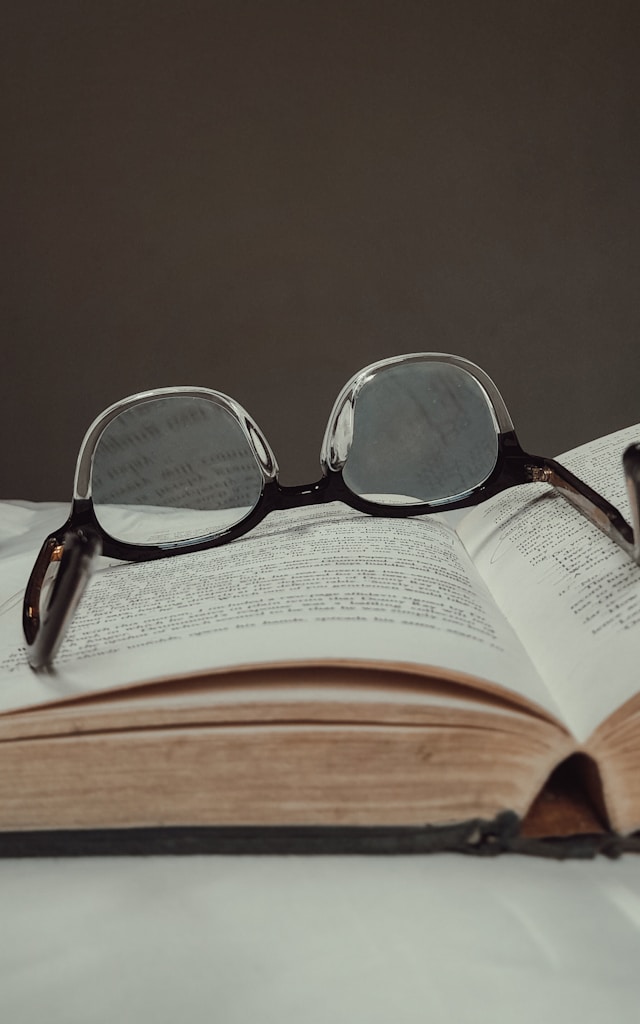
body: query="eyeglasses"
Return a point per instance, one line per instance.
(179, 470)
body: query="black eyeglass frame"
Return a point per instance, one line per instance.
(70, 551)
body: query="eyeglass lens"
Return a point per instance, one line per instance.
(175, 468)
(422, 432)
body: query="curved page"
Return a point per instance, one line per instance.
(570, 593)
(308, 586)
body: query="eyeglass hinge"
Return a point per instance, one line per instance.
(539, 474)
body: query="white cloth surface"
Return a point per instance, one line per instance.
(345, 940)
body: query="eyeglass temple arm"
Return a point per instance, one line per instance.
(597, 509)
(631, 464)
(67, 559)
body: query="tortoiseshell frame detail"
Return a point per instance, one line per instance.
(78, 541)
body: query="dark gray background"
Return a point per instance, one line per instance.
(263, 197)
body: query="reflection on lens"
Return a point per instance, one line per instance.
(423, 432)
(175, 468)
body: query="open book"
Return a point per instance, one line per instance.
(367, 683)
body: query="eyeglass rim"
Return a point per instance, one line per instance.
(262, 451)
(339, 431)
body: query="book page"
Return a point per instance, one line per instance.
(308, 585)
(572, 595)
